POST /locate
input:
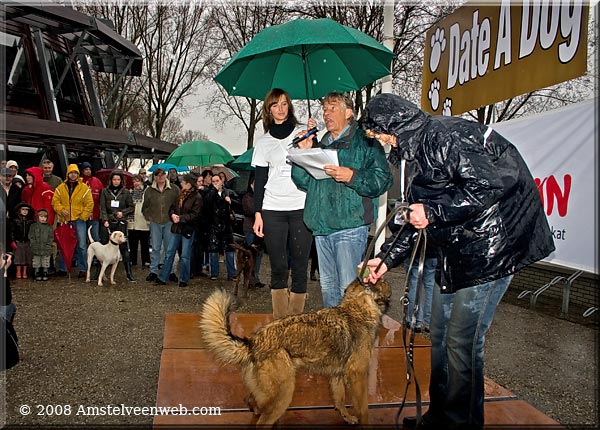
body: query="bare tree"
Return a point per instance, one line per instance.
(236, 25)
(177, 47)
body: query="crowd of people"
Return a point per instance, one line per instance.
(166, 219)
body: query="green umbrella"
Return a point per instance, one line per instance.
(199, 153)
(244, 161)
(307, 58)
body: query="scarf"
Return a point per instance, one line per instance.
(283, 130)
(184, 195)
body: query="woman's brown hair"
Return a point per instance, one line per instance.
(272, 98)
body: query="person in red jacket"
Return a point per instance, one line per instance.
(37, 193)
(96, 186)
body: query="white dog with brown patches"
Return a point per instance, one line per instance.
(106, 254)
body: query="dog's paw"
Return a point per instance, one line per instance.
(350, 419)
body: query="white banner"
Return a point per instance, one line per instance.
(559, 148)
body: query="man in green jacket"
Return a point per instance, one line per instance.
(339, 210)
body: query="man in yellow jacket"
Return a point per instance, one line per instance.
(73, 203)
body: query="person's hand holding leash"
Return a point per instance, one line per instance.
(370, 274)
(418, 218)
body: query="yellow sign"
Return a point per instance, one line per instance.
(480, 55)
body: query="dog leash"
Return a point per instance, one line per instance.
(408, 350)
(410, 332)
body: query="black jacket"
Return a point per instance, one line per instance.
(486, 216)
(189, 213)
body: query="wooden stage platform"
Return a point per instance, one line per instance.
(190, 376)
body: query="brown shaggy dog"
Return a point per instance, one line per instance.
(336, 342)
(245, 260)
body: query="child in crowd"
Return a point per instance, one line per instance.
(20, 224)
(41, 237)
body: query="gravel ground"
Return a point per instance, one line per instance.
(89, 346)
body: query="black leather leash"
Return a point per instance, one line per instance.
(419, 246)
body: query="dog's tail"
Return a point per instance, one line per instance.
(228, 348)
(90, 234)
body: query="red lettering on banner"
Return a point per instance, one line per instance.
(553, 192)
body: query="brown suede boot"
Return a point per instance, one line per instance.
(280, 300)
(297, 303)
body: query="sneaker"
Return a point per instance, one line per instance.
(82, 274)
(173, 277)
(313, 276)
(159, 282)
(233, 278)
(213, 278)
(183, 284)
(258, 285)
(151, 277)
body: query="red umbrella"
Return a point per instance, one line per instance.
(66, 240)
(104, 176)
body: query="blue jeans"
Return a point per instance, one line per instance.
(80, 249)
(424, 312)
(339, 254)
(229, 264)
(184, 259)
(160, 235)
(249, 237)
(459, 322)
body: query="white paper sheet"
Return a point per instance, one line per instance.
(313, 160)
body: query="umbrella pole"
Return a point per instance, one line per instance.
(306, 77)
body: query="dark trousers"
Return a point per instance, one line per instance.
(141, 238)
(278, 227)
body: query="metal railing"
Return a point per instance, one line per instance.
(566, 290)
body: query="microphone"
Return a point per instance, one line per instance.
(309, 133)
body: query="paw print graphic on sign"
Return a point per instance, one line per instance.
(434, 94)
(438, 45)
(447, 109)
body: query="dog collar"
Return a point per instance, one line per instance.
(114, 243)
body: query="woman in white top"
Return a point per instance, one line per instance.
(279, 204)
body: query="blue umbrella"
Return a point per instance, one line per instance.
(167, 166)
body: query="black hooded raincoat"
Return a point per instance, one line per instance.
(486, 219)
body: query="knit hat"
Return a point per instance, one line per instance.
(18, 178)
(85, 165)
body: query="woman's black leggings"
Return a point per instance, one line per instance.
(282, 228)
